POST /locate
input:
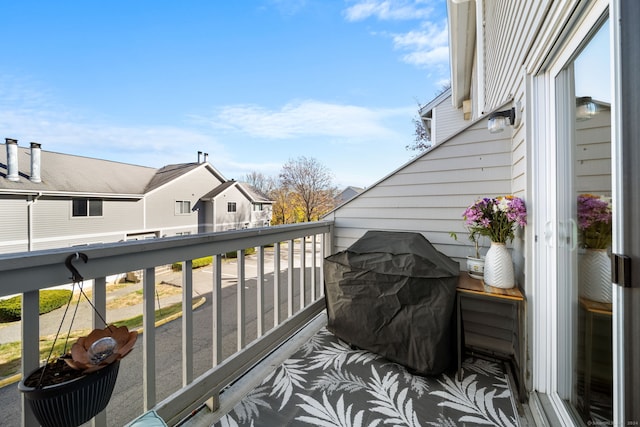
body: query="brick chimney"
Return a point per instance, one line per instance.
(12, 159)
(35, 162)
(206, 157)
(199, 157)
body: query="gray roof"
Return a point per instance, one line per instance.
(253, 195)
(169, 173)
(67, 173)
(218, 190)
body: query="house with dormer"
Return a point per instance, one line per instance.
(51, 200)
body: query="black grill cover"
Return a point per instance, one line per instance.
(393, 293)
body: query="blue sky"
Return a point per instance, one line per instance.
(252, 83)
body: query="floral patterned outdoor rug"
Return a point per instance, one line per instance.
(326, 383)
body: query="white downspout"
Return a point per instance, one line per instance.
(31, 200)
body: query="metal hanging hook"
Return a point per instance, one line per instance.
(75, 274)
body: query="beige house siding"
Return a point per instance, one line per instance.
(429, 194)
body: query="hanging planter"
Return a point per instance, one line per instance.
(72, 389)
(72, 402)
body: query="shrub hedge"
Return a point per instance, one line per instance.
(203, 262)
(197, 263)
(11, 308)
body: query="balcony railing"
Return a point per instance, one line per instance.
(299, 247)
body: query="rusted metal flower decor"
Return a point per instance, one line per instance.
(100, 348)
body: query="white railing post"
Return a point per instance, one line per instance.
(187, 323)
(303, 264)
(216, 304)
(30, 346)
(290, 280)
(314, 255)
(276, 284)
(100, 303)
(260, 293)
(240, 298)
(149, 338)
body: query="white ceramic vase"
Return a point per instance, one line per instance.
(594, 275)
(498, 267)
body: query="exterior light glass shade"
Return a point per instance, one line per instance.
(498, 121)
(585, 108)
(496, 124)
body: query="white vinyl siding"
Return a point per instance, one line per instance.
(430, 194)
(446, 121)
(510, 28)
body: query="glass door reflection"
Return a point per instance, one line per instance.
(589, 155)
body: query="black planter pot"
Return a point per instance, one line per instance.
(73, 402)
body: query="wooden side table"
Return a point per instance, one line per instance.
(472, 291)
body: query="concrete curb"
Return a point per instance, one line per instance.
(17, 377)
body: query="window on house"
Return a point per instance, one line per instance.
(87, 207)
(257, 207)
(183, 207)
(231, 207)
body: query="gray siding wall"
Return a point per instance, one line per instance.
(160, 203)
(226, 220)
(13, 224)
(54, 226)
(53, 217)
(429, 194)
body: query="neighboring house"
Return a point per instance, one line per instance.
(441, 119)
(234, 205)
(348, 194)
(51, 200)
(567, 70)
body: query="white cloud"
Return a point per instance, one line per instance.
(425, 46)
(387, 10)
(307, 119)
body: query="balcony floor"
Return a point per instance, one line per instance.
(325, 382)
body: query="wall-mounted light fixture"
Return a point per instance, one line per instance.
(585, 108)
(498, 121)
